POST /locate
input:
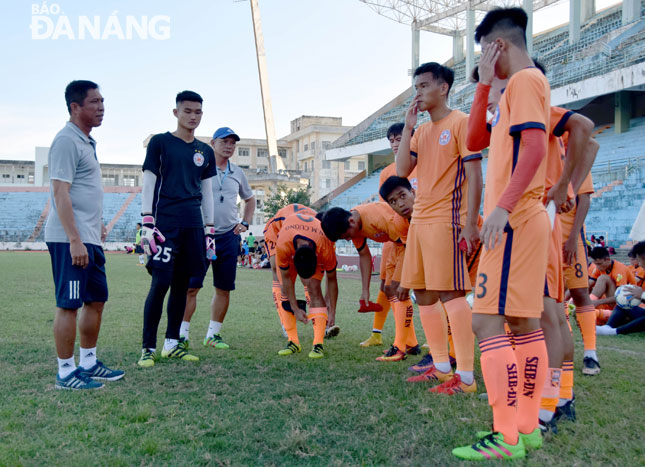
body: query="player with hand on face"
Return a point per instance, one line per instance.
(445, 215)
(304, 250)
(515, 235)
(176, 202)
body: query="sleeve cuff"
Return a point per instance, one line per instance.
(413, 154)
(517, 129)
(472, 157)
(559, 128)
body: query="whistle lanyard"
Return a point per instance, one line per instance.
(221, 176)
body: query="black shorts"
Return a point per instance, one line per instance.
(184, 250)
(227, 247)
(75, 285)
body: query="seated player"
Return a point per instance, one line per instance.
(303, 250)
(606, 275)
(378, 222)
(629, 320)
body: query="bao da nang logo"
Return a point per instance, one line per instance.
(50, 22)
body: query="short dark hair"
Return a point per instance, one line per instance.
(396, 129)
(305, 261)
(439, 72)
(335, 222)
(539, 66)
(391, 183)
(188, 96)
(638, 249)
(76, 92)
(509, 22)
(599, 252)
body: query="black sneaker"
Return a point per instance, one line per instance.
(566, 412)
(590, 366)
(416, 350)
(550, 426)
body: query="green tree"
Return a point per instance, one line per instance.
(281, 196)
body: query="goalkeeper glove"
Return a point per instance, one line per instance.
(150, 235)
(209, 233)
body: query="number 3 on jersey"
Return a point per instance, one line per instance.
(163, 254)
(481, 286)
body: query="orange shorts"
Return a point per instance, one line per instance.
(472, 262)
(293, 275)
(510, 279)
(576, 275)
(553, 285)
(394, 267)
(433, 260)
(271, 241)
(385, 254)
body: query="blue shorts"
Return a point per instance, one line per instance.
(227, 247)
(75, 285)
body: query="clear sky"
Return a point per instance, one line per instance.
(325, 57)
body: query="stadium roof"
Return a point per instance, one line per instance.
(446, 17)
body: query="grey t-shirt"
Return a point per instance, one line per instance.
(227, 184)
(72, 159)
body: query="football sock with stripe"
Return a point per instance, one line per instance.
(586, 317)
(411, 340)
(460, 318)
(381, 316)
(289, 323)
(550, 394)
(401, 333)
(88, 358)
(532, 364)
(66, 367)
(500, 372)
(435, 327)
(566, 382)
(319, 318)
(169, 344)
(276, 293)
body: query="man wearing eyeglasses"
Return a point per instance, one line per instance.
(229, 182)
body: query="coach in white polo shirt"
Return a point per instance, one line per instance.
(227, 185)
(74, 234)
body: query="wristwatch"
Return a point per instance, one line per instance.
(245, 224)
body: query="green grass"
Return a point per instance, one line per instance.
(246, 405)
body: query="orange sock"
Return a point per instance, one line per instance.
(532, 364)
(511, 336)
(550, 394)
(276, 291)
(409, 318)
(500, 371)
(586, 317)
(289, 322)
(451, 344)
(460, 317)
(319, 318)
(435, 327)
(402, 320)
(566, 381)
(381, 316)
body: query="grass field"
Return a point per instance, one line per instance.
(247, 406)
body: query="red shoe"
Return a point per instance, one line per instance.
(392, 355)
(366, 307)
(453, 386)
(430, 375)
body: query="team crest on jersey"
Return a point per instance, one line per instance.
(415, 183)
(444, 137)
(198, 159)
(495, 117)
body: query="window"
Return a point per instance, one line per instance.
(327, 182)
(313, 145)
(361, 165)
(282, 152)
(242, 166)
(306, 168)
(326, 144)
(306, 147)
(263, 152)
(243, 152)
(20, 176)
(6, 176)
(348, 165)
(326, 164)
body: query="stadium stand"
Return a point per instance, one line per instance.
(364, 191)
(19, 213)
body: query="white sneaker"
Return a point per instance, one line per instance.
(605, 330)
